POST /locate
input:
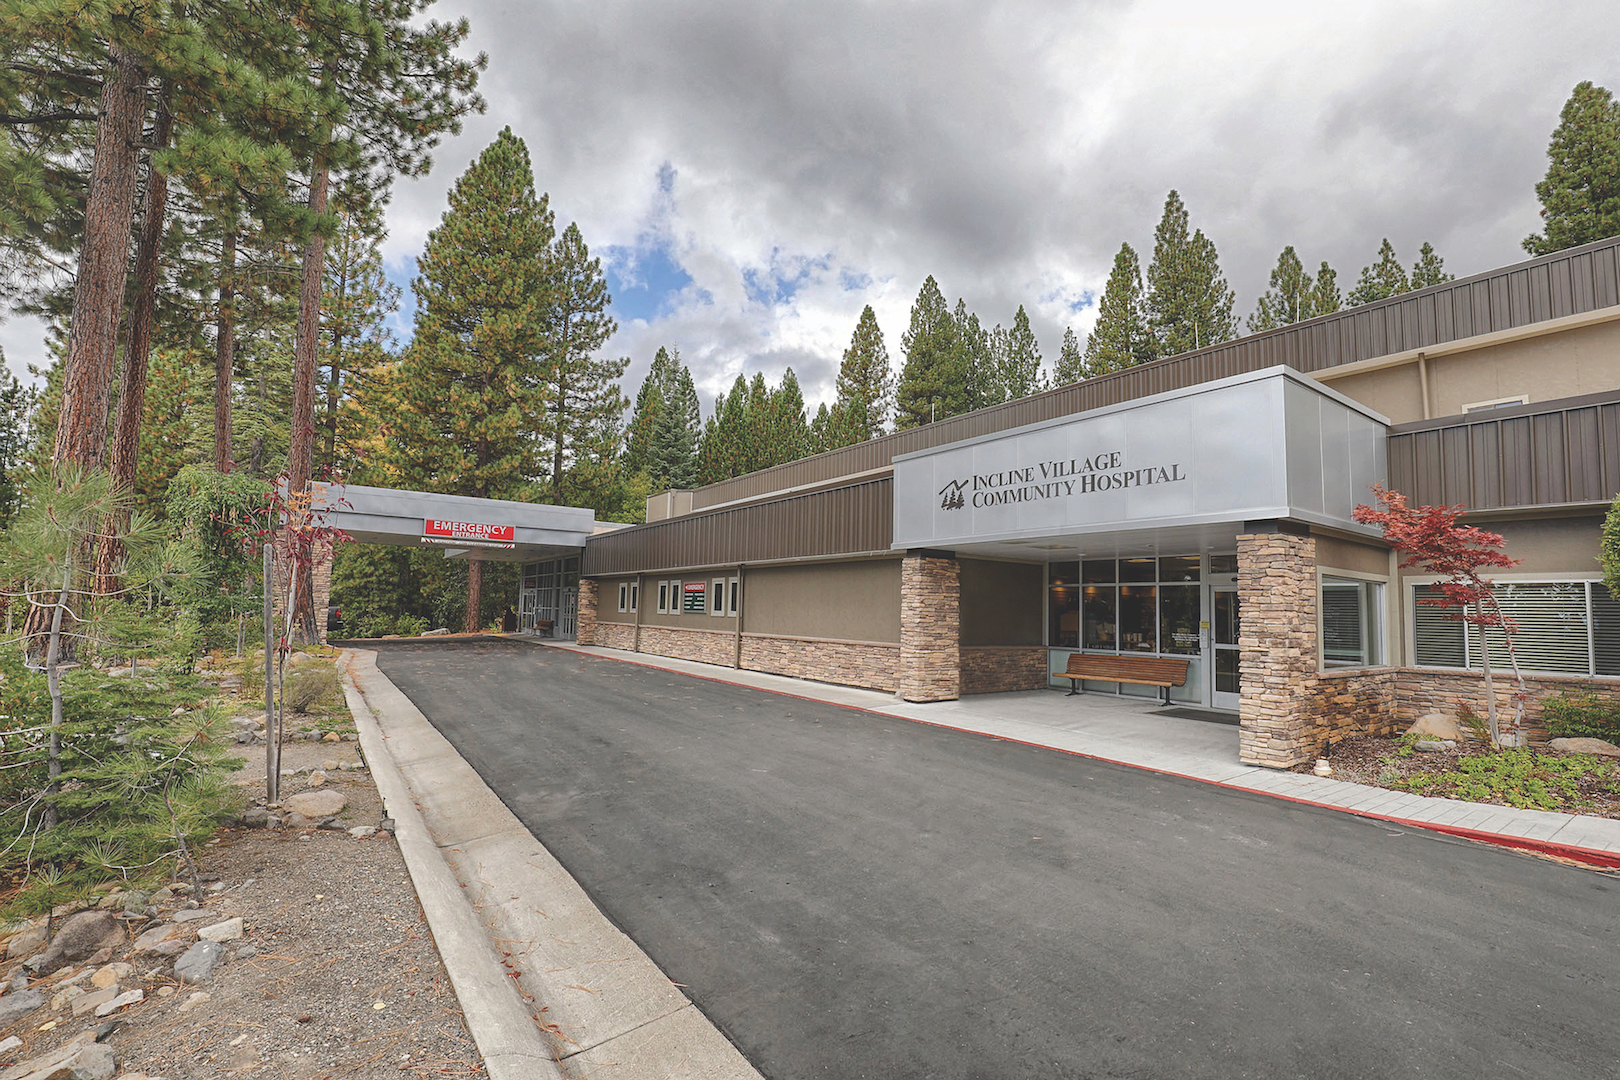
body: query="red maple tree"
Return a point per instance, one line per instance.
(1432, 541)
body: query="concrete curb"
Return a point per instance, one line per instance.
(500, 1023)
(1588, 856)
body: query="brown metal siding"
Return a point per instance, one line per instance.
(1554, 286)
(1534, 455)
(855, 519)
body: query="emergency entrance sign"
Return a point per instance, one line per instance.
(468, 530)
(693, 594)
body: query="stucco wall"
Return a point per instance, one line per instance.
(849, 601)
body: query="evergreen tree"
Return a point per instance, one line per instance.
(672, 458)
(357, 300)
(1017, 359)
(580, 390)
(470, 404)
(726, 449)
(1325, 296)
(1121, 337)
(1189, 303)
(1289, 298)
(788, 438)
(934, 381)
(865, 387)
(1384, 278)
(821, 426)
(974, 359)
(649, 400)
(1430, 269)
(1071, 366)
(1580, 195)
(16, 402)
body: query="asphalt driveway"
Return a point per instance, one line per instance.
(848, 895)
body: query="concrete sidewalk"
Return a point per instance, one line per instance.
(549, 987)
(1136, 733)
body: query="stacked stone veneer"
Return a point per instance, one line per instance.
(585, 632)
(993, 669)
(613, 635)
(1421, 691)
(869, 664)
(1289, 711)
(930, 628)
(704, 646)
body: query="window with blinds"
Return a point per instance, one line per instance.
(1562, 627)
(1349, 611)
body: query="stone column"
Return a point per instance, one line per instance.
(930, 627)
(322, 575)
(586, 616)
(1277, 632)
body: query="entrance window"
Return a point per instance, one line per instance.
(1100, 617)
(1138, 610)
(1063, 605)
(1180, 611)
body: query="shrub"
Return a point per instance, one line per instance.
(310, 684)
(1582, 714)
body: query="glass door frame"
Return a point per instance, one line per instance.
(1217, 698)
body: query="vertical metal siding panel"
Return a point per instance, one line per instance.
(1426, 327)
(1429, 486)
(1462, 311)
(1518, 298)
(1454, 464)
(1547, 440)
(1409, 336)
(1402, 463)
(1485, 450)
(1444, 315)
(1584, 450)
(1580, 269)
(1518, 462)
(1540, 293)
(1609, 429)
(1479, 296)
(1607, 274)
(1496, 289)
(1558, 286)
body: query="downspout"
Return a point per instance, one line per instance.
(1423, 385)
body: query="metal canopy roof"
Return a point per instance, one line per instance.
(507, 531)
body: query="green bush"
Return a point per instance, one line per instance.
(1521, 778)
(312, 683)
(1582, 714)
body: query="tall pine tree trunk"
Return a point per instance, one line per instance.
(225, 350)
(475, 595)
(98, 293)
(137, 354)
(300, 456)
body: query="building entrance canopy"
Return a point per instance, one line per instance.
(494, 530)
(1169, 471)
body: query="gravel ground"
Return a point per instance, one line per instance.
(337, 976)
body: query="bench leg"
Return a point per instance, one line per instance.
(1166, 700)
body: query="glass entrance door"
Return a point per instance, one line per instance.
(1224, 689)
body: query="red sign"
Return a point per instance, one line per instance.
(468, 530)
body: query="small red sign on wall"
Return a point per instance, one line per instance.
(467, 530)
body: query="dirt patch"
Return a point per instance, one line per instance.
(1540, 777)
(336, 974)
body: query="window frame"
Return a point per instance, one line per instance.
(717, 597)
(663, 597)
(1372, 609)
(635, 595)
(624, 596)
(1589, 582)
(733, 595)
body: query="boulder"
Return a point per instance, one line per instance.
(15, 1006)
(1586, 746)
(164, 940)
(1437, 725)
(199, 962)
(81, 1059)
(80, 936)
(26, 942)
(317, 804)
(1434, 746)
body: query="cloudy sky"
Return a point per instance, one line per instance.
(752, 174)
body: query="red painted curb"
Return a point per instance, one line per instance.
(1589, 856)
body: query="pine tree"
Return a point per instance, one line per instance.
(580, 390)
(672, 458)
(1384, 278)
(356, 302)
(934, 381)
(1189, 303)
(1289, 297)
(1071, 366)
(1430, 269)
(1325, 296)
(470, 406)
(1121, 337)
(789, 435)
(649, 400)
(1580, 195)
(16, 402)
(821, 426)
(1018, 359)
(865, 387)
(974, 360)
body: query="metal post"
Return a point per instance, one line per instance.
(272, 731)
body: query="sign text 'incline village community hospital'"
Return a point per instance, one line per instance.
(1054, 480)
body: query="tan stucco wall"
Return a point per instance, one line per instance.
(607, 600)
(850, 601)
(1333, 553)
(1557, 547)
(1001, 602)
(649, 600)
(1563, 364)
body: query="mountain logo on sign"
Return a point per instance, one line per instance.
(951, 493)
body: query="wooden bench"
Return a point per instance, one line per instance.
(543, 626)
(1161, 671)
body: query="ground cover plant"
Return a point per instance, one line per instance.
(1531, 778)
